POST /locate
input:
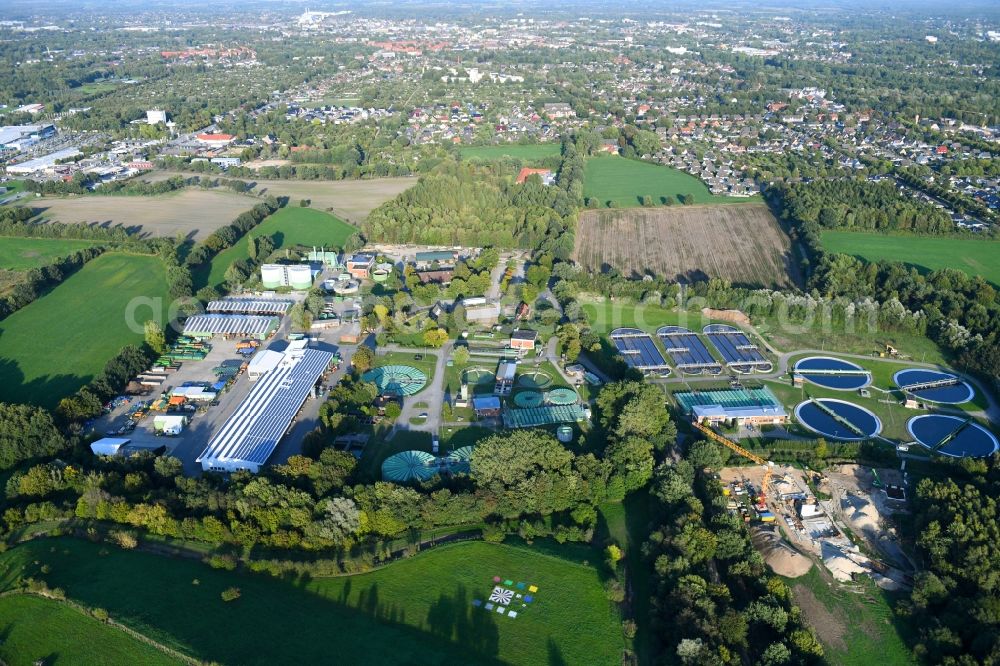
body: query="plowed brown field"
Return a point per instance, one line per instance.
(742, 243)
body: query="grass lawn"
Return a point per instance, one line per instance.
(98, 87)
(20, 254)
(605, 315)
(927, 253)
(625, 181)
(426, 364)
(414, 611)
(37, 629)
(57, 344)
(12, 187)
(292, 225)
(528, 153)
(853, 627)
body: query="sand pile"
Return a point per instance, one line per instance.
(782, 558)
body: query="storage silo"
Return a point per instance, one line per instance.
(299, 277)
(272, 276)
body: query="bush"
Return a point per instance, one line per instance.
(222, 561)
(494, 533)
(125, 540)
(100, 614)
(230, 594)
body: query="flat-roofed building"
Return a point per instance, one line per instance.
(251, 434)
(523, 340)
(360, 265)
(434, 258)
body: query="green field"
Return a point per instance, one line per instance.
(57, 344)
(853, 627)
(928, 253)
(36, 629)
(20, 254)
(625, 181)
(288, 227)
(528, 153)
(12, 187)
(416, 611)
(604, 316)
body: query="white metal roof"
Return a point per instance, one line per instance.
(256, 426)
(249, 306)
(264, 361)
(229, 324)
(108, 446)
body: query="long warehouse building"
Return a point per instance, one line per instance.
(209, 325)
(249, 307)
(252, 432)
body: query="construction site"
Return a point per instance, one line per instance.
(841, 520)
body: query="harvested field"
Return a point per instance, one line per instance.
(740, 242)
(350, 200)
(190, 212)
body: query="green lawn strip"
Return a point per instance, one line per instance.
(526, 152)
(864, 621)
(55, 345)
(288, 227)
(12, 187)
(456, 438)
(605, 315)
(36, 629)
(970, 255)
(427, 364)
(626, 181)
(417, 610)
(21, 254)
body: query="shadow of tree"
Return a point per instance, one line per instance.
(454, 618)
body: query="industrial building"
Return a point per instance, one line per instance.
(523, 340)
(505, 377)
(434, 259)
(252, 432)
(296, 276)
(42, 163)
(360, 265)
(246, 326)
(249, 306)
(19, 137)
(757, 406)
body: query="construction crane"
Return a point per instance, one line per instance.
(733, 446)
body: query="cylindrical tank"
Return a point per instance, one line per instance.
(564, 434)
(299, 277)
(379, 275)
(272, 276)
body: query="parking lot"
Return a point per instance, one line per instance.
(203, 421)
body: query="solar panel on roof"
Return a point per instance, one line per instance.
(252, 432)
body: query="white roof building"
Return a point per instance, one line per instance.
(251, 434)
(262, 363)
(109, 446)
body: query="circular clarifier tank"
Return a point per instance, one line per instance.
(838, 419)
(833, 373)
